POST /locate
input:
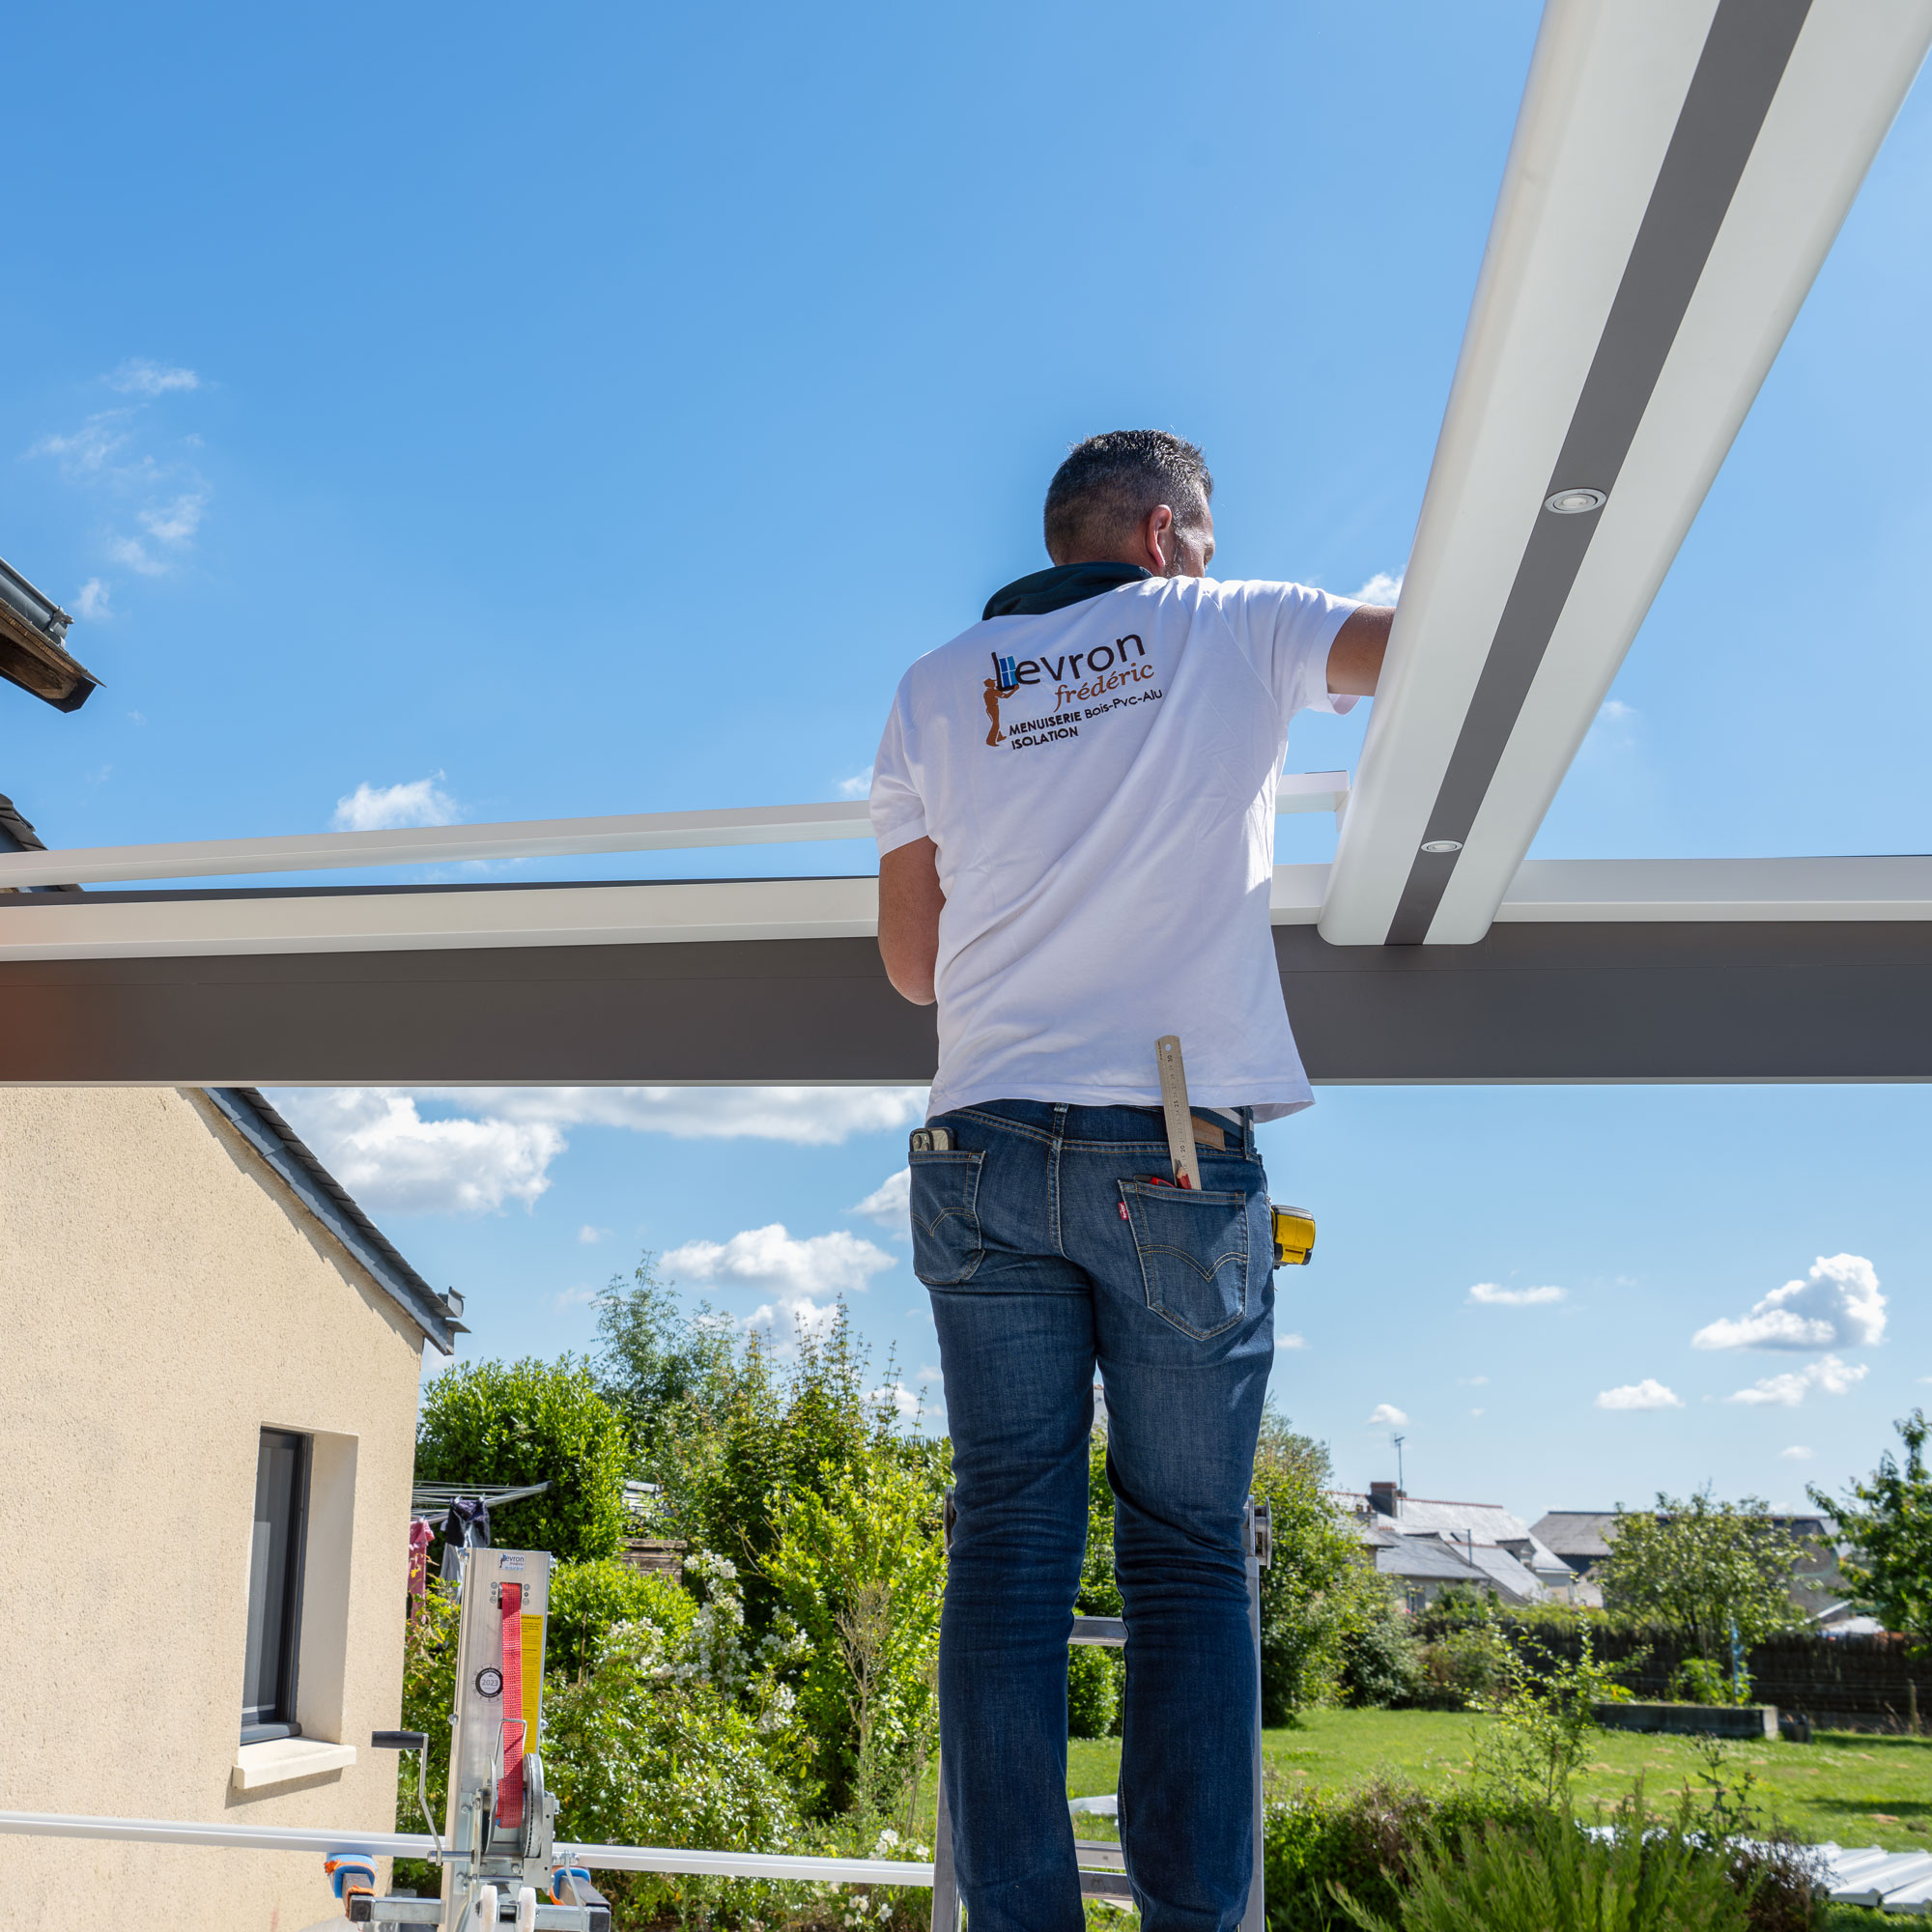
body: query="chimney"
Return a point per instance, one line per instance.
(1384, 1499)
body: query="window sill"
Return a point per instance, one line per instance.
(283, 1760)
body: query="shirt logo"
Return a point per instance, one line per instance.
(1109, 668)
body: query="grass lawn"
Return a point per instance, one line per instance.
(1849, 1787)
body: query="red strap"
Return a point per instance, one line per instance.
(510, 1793)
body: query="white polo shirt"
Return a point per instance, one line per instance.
(1099, 782)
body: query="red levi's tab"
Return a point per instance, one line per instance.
(510, 1793)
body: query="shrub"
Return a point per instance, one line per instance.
(1380, 1660)
(1365, 1840)
(587, 1599)
(860, 1572)
(1094, 1682)
(1464, 1669)
(530, 1422)
(1699, 1681)
(648, 1751)
(1541, 1874)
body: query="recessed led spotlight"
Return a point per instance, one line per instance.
(1573, 502)
(1441, 845)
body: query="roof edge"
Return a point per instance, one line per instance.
(331, 1203)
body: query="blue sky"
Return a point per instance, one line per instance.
(492, 419)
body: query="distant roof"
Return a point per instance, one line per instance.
(1577, 1533)
(1505, 1573)
(1584, 1535)
(1424, 1558)
(324, 1197)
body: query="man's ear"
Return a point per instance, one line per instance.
(1157, 538)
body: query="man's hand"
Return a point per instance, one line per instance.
(910, 903)
(1355, 657)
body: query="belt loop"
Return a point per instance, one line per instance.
(1248, 1134)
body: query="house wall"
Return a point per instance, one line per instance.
(163, 1297)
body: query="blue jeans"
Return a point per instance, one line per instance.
(1049, 1252)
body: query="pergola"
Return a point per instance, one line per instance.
(1679, 171)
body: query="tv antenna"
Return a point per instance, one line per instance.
(1401, 1488)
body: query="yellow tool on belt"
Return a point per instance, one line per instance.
(1293, 1228)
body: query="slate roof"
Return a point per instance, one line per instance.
(1422, 1558)
(1487, 1524)
(1578, 1536)
(330, 1201)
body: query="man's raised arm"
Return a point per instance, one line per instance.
(1355, 657)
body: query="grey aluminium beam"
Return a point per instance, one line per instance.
(1570, 1000)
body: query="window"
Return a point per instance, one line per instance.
(274, 1587)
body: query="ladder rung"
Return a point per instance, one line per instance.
(1101, 1857)
(1104, 1885)
(1098, 1629)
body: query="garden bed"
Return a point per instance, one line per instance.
(1686, 1720)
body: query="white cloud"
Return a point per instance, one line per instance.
(387, 1155)
(575, 1298)
(1476, 1412)
(1388, 1411)
(1828, 1373)
(796, 1315)
(139, 377)
(1474, 1382)
(1839, 1303)
(796, 1271)
(85, 453)
(176, 522)
(1380, 589)
(1487, 1294)
(803, 1115)
(91, 601)
(1291, 1342)
(1646, 1394)
(890, 1204)
(131, 552)
(858, 785)
(1615, 711)
(590, 1236)
(382, 807)
(1796, 1453)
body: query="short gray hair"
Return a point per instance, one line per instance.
(1111, 484)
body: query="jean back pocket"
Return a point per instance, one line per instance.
(1193, 1246)
(945, 1202)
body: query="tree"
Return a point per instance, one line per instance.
(1888, 1524)
(530, 1422)
(658, 1367)
(1314, 1574)
(1706, 1569)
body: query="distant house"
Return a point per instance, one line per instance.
(1583, 1539)
(1429, 1546)
(207, 1440)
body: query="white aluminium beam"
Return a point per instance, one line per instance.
(528, 838)
(431, 919)
(1679, 171)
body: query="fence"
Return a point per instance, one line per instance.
(1851, 1682)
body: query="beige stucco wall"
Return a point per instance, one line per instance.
(163, 1298)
